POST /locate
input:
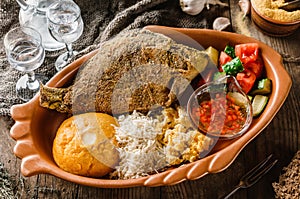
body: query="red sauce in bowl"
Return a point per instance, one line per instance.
(220, 115)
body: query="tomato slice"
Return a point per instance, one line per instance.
(247, 52)
(256, 67)
(223, 59)
(246, 79)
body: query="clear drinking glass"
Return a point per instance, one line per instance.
(65, 25)
(25, 53)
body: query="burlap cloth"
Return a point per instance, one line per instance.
(103, 19)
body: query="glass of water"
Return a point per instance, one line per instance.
(65, 25)
(25, 53)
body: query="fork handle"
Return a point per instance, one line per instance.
(232, 192)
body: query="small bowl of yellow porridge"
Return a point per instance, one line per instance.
(271, 19)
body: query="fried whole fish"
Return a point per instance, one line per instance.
(136, 70)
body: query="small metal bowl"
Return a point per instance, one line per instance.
(220, 109)
(271, 26)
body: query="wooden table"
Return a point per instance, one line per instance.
(281, 137)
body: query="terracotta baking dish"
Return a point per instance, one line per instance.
(35, 126)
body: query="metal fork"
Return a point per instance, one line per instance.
(254, 175)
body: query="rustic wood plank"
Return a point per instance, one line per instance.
(281, 137)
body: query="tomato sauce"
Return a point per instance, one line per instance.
(220, 115)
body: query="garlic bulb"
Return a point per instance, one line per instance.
(192, 7)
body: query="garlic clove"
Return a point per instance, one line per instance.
(214, 2)
(221, 23)
(245, 6)
(192, 7)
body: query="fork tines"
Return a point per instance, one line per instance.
(259, 170)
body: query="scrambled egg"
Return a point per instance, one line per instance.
(181, 141)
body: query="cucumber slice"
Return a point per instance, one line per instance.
(258, 104)
(229, 50)
(233, 67)
(264, 87)
(239, 99)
